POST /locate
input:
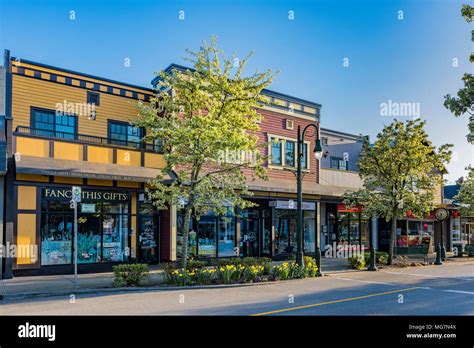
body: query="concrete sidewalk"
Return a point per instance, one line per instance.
(38, 286)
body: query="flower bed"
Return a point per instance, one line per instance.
(238, 271)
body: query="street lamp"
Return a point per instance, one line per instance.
(318, 152)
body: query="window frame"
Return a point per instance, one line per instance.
(339, 160)
(34, 109)
(110, 140)
(89, 94)
(283, 140)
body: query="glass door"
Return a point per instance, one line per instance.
(249, 230)
(147, 239)
(206, 229)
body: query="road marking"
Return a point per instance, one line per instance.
(460, 292)
(428, 275)
(367, 281)
(332, 302)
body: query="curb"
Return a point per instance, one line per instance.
(87, 291)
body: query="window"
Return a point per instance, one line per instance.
(276, 152)
(93, 98)
(50, 123)
(284, 152)
(289, 124)
(125, 134)
(339, 163)
(290, 153)
(304, 163)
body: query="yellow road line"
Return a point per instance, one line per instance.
(331, 302)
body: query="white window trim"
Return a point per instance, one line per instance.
(283, 166)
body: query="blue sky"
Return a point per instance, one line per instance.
(407, 60)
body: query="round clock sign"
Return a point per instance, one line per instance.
(441, 214)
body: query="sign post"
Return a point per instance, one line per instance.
(76, 198)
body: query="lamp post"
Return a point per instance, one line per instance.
(318, 152)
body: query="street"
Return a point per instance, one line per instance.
(428, 290)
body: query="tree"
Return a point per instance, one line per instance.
(400, 172)
(465, 196)
(464, 101)
(207, 121)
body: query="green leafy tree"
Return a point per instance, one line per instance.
(465, 196)
(463, 103)
(401, 172)
(207, 120)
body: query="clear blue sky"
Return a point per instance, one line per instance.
(409, 60)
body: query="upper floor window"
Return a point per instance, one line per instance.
(93, 98)
(276, 155)
(121, 133)
(283, 152)
(50, 123)
(339, 163)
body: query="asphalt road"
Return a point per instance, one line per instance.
(428, 290)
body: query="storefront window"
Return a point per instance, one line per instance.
(89, 238)
(56, 239)
(226, 237)
(207, 236)
(103, 233)
(115, 238)
(309, 231)
(401, 232)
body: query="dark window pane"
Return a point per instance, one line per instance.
(276, 152)
(290, 153)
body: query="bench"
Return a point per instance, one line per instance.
(413, 250)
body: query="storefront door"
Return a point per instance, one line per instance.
(148, 237)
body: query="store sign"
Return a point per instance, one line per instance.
(87, 208)
(343, 208)
(292, 205)
(86, 195)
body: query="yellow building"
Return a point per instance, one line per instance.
(73, 129)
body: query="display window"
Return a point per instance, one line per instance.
(103, 231)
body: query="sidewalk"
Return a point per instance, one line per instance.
(39, 286)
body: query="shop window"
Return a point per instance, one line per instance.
(226, 235)
(56, 239)
(103, 235)
(207, 236)
(309, 227)
(49, 123)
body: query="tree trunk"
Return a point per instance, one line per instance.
(393, 235)
(184, 247)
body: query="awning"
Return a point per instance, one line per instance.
(84, 169)
(286, 186)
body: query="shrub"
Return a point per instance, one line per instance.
(381, 258)
(195, 264)
(357, 262)
(204, 276)
(130, 274)
(253, 273)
